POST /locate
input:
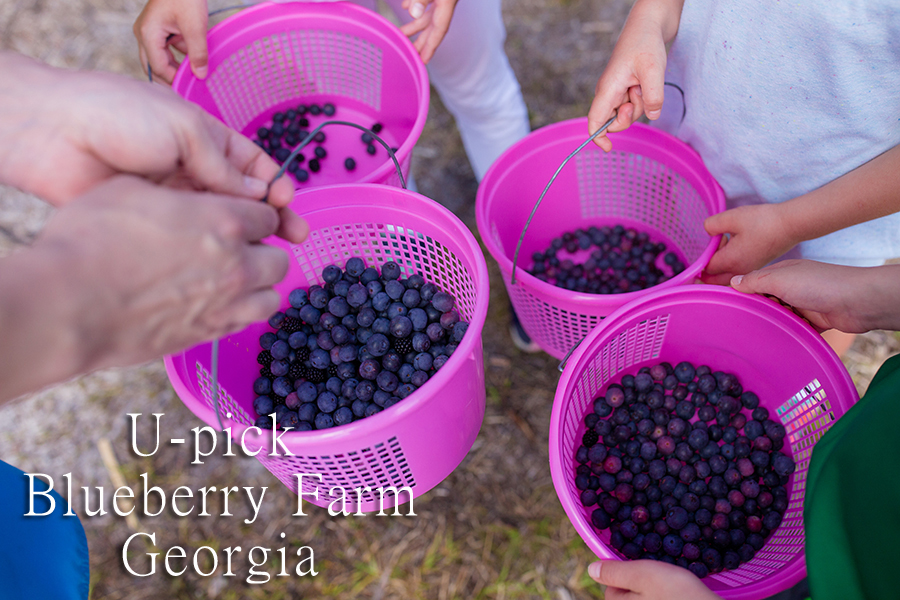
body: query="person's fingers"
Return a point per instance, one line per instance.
(252, 221)
(622, 574)
(636, 99)
(257, 306)
(153, 48)
(292, 227)
(207, 158)
(193, 25)
(265, 266)
(608, 101)
(417, 7)
(442, 15)
(719, 223)
(652, 80)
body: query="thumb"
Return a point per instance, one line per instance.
(771, 280)
(193, 29)
(622, 574)
(651, 89)
(720, 223)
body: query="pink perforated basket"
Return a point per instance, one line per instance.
(274, 56)
(797, 376)
(650, 181)
(417, 442)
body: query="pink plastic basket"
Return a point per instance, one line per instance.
(797, 376)
(274, 56)
(650, 181)
(418, 441)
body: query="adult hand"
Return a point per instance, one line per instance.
(632, 83)
(164, 24)
(131, 271)
(851, 299)
(648, 580)
(431, 20)
(63, 132)
(758, 236)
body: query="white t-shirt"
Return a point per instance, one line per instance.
(784, 96)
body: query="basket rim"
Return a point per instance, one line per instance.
(594, 301)
(410, 404)
(843, 399)
(231, 27)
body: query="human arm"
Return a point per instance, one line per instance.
(131, 271)
(62, 132)
(431, 20)
(761, 233)
(850, 299)
(648, 580)
(632, 83)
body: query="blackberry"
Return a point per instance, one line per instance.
(316, 375)
(291, 324)
(302, 354)
(264, 358)
(403, 346)
(332, 370)
(297, 371)
(278, 399)
(265, 372)
(590, 438)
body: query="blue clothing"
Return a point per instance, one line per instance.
(783, 97)
(40, 557)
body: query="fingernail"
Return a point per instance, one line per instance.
(736, 280)
(594, 570)
(255, 187)
(416, 10)
(638, 92)
(653, 114)
(201, 71)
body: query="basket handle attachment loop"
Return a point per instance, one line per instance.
(549, 183)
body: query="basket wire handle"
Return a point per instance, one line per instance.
(549, 183)
(309, 138)
(562, 364)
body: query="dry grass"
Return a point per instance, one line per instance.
(492, 529)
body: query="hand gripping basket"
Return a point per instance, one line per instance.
(797, 376)
(650, 181)
(418, 441)
(274, 56)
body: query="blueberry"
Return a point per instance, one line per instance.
(262, 386)
(411, 298)
(378, 344)
(760, 414)
(390, 271)
(327, 402)
(328, 109)
(672, 544)
(313, 165)
(370, 149)
(459, 331)
(263, 405)
(418, 378)
(698, 439)
(302, 175)
(369, 369)
(387, 381)
(782, 464)
(339, 307)
(677, 518)
(324, 421)
(320, 151)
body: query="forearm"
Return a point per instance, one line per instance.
(42, 340)
(876, 297)
(866, 193)
(662, 14)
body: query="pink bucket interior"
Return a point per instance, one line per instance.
(379, 224)
(274, 56)
(796, 375)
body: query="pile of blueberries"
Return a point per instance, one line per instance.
(624, 260)
(291, 127)
(353, 347)
(682, 465)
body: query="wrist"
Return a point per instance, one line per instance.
(664, 15)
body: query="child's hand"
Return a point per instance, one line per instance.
(851, 299)
(431, 20)
(648, 580)
(178, 23)
(758, 236)
(632, 83)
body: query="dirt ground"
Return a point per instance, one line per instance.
(493, 529)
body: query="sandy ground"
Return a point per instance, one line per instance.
(492, 529)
